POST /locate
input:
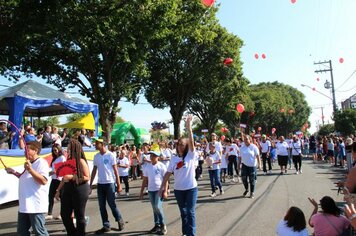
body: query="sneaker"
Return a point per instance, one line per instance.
(48, 217)
(300, 171)
(297, 172)
(245, 193)
(103, 230)
(162, 230)
(213, 195)
(264, 173)
(270, 172)
(238, 180)
(233, 180)
(155, 229)
(127, 194)
(87, 218)
(121, 224)
(58, 217)
(222, 192)
(252, 195)
(117, 195)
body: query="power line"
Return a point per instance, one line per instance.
(346, 80)
(347, 90)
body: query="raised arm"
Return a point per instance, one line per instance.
(188, 126)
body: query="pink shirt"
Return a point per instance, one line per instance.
(323, 227)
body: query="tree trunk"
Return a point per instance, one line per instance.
(176, 117)
(107, 120)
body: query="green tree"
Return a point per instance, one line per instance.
(180, 62)
(326, 130)
(279, 106)
(345, 121)
(43, 122)
(221, 87)
(96, 46)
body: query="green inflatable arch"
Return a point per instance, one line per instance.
(120, 131)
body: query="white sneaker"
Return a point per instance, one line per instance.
(49, 217)
(58, 217)
(300, 171)
(238, 180)
(127, 194)
(213, 195)
(297, 173)
(233, 180)
(270, 172)
(264, 173)
(222, 192)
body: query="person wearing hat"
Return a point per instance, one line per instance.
(152, 178)
(105, 164)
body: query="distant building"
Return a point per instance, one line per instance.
(349, 103)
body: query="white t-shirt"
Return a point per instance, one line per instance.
(215, 158)
(166, 154)
(184, 177)
(105, 163)
(265, 146)
(33, 197)
(232, 150)
(123, 171)
(58, 160)
(282, 148)
(296, 148)
(283, 230)
(223, 161)
(144, 159)
(249, 154)
(155, 174)
(289, 141)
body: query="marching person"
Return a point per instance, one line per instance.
(182, 166)
(296, 146)
(214, 169)
(73, 191)
(232, 151)
(105, 164)
(282, 154)
(265, 150)
(250, 159)
(33, 192)
(152, 178)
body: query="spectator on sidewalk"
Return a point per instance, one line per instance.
(293, 223)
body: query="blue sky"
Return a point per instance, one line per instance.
(293, 37)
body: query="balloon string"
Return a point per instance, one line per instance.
(17, 129)
(3, 163)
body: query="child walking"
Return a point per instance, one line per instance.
(152, 178)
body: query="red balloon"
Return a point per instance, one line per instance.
(256, 56)
(314, 89)
(224, 130)
(282, 110)
(228, 61)
(259, 128)
(222, 137)
(264, 56)
(341, 60)
(208, 3)
(240, 108)
(317, 79)
(293, 1)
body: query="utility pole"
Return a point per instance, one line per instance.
(327, 84)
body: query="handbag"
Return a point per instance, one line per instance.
(345, 232)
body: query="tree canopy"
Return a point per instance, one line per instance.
(345, 121)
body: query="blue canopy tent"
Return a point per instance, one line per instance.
(34, 99)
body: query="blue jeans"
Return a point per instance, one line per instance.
(187, 200)
(26, 220)
(156, 203)
(106, 192)
(248, 172)
(214, 176)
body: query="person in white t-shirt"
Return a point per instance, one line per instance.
(293, 223)
(232, 151)
(282, 154)
(153, 177)
(214, 169)
(296, 146)
(145, 157)
(166, 153)
(185, 185)
(105, 164)
(265, 152)
(33, 192)
(250, 159)
(123, 164)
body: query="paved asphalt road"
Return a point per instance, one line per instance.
(228, 214)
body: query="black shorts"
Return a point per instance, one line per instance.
(330, 153)
(282, 160)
